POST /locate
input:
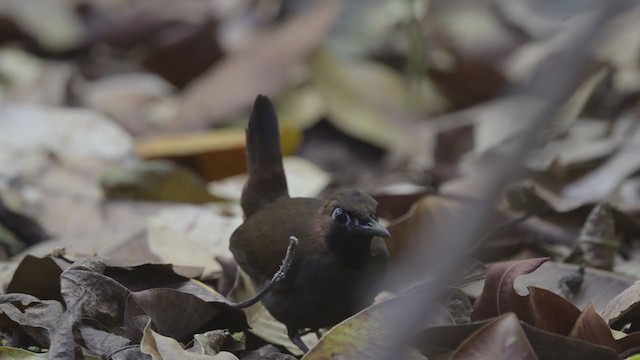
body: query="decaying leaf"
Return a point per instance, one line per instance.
(624, 308)
(193, 236)
(37, 318)
(22, 354)
(99, 313)
(540, 308)
(599, 287)
(39, 277)
(165, 348)
(362, 335)
(354, 106)
(444, 340)
(602, 181)
(597, 244)
(502, 338)
(216, 154)
(592, 328)
(156, 180)
(264, 69)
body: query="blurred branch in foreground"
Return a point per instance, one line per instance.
(451, 239)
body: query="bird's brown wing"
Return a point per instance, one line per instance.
(267, 181)
(259, 245)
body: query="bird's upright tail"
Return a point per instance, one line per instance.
(267, 181)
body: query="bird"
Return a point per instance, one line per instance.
(340, 255)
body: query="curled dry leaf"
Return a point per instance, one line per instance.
(624, 308)
(37, 318)
(597, 245)
(38, 277)
(424, 214)
(304, 179)
(99, 310)
(502, 338)
(155, 180)
(364, 100)
(442, 341)
(179, 315)
(592, 328)
(265, 69)
(183, 52)
(602, 181)
(599, 287)
(362, 335)
(165, 348)
(22, 354)
(540, 308)
(216, 154)
(193, 236)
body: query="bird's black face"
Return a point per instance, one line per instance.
(353, 224)
(350, 222)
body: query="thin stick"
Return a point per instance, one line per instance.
(278, 276)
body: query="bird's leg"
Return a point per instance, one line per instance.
(294, 335)
(279, 275)
(309, 331)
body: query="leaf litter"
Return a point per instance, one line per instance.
(122, 161)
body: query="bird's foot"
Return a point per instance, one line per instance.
(294, 335)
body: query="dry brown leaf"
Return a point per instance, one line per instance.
(364, 99)
(165, 348)
(624, 307)
(263, 69)
(503, 338)
(217, 154)
(194, 236)
(540, 308)
(592, 328)
(55, 24)
(304, 179)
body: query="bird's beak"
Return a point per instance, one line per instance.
(375, 228)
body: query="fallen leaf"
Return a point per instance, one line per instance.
(165, 348)
(598, 286)
(263, 69)
(444, 340)
(503, 338)
(193, 236)
(592, 328)
(540, 308)
(623, 308)
(70, 133)
(216, 154)
(599, 183)
(184, 51)
(361, 336)
(22, 354)
(304, 179)
(37, 318)
(29, 79)
(54, 25)
(155, 180)
(39, 277)
(179, 315)
(364, 100)
(597, 244)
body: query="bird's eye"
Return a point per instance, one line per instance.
(340, 216)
